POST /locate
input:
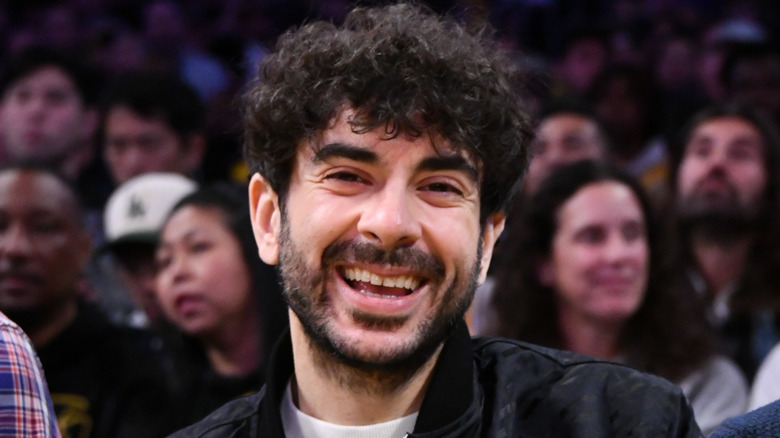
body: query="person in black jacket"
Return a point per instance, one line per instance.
(103, 380)
(383, 155)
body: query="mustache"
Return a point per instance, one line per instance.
(414, 259)
(11, 271)
(719, 177)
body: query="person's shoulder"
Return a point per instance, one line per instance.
(509, 351)
(574, 391)
(235, 419)
(762, 422)
(506, 356)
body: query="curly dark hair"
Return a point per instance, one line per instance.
(402, 69)
(667, 336)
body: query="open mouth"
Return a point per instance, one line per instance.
(371, 284)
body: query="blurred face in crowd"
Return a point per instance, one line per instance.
(599, 260)
(561, 139)
(756, 82)
(723, 170)
(379, 242)
(676, 66)
(582, 63)
(43, 247)
(203, 282)
(42, 116)
(136, 270)
(135, 145)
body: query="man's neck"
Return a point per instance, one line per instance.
(42, 329)
(721, 262)
(368, 397)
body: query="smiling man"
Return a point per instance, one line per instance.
(383, 155)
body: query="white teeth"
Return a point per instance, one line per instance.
(355, 274)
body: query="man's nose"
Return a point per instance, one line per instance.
(390, 220)
(135, 160)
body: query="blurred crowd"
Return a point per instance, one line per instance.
(647, 230)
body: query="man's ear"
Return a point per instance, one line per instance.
(494, 225)
(266, 218)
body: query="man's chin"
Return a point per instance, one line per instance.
(387, 345)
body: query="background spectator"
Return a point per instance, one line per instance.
(103, 382)
(152, 123)
(726, 184)
(134, 216)
(226, 303)
(590, 276)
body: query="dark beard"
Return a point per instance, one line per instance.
(387, 371)
(719, 226)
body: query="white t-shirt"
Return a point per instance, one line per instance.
(766, 386)
(299, 425)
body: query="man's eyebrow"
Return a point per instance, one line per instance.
(445, 162)
(342, 150)
(449, 162)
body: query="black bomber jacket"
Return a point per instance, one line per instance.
(492, 387)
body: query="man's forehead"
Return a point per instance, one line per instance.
(440, 153)
(53, 75)
(35, 190)
(345, 128)
(737, 128)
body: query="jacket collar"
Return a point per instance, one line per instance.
(450, 393)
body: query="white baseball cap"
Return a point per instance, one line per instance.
(137, 209)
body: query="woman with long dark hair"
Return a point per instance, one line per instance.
(225, 303)
(590, 275)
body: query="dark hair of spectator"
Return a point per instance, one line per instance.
(579, 34)
(580, 108)
(404, 71)
(763, 278)
(36, 58)
(640, 86)
(157, 96)
(44, 168)
(744, 52)
(668, 334)
(233, 210)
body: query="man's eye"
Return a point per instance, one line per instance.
(443, 188)
(345, 176)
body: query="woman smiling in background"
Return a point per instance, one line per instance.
(591, 277)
